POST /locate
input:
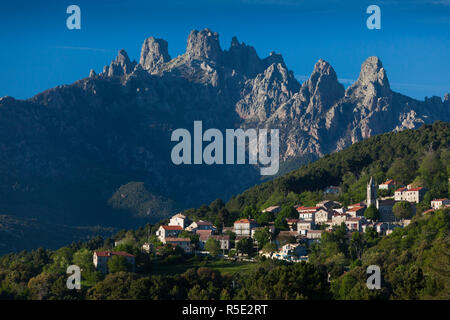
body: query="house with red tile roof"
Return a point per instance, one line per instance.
(168, 231)
(183, 243)
(243, 227)
(201, 225)
(410, 195)
(440, 203)
(389, 185)
(101, 258)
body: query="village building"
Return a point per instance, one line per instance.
(183, 243)
(224, 241)
(292, 223)
(328, 204)
(203, 236)
(385, 209)
(201, 225)
(439, 203)
(101, 258)
(272, 209)
(168, 231)
(410, 195)
(359, 204)
(389, 185)
(355, 224)
(305, 225)
(293, 249)
(323, 215)
(307, 213)
(243, 227)
(179, 220)
(147, 247)
(337, 219)
(287, 234)
(314, 234)
(356, 211)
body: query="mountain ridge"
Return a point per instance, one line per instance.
(65, 152)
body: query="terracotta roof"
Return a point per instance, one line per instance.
(292, 220)
(315, 231)
(429, 210)
(221, 237)
(204, 223)
(172, 239)
(303, 208)
(354, 219)
(355, 209)
(204, 234)
(443, 199)
(401, 189)
(113, 253)
(359, 204)
(415, 189)
(245, 221)
(172, 228)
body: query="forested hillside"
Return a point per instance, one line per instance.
(403, 156)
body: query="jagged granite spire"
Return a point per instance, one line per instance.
(121, 65)
(154, 54)
(322, 89)
(203, 44)
(372, 80)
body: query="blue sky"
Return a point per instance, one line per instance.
(38, 51)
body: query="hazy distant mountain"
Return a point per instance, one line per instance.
(98, 151)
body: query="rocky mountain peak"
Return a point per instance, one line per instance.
(154, 54)
(243, 58)
(372, 71)
(121, 65)
(372, 80)
(322, 89)
(203, 44)
(372, 87)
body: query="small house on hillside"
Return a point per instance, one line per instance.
(101, 258)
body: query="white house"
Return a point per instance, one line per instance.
(224, 241)
(439, 203)
(243, 227)
(201, 225)
(168, 231)
(307, 213)
(410, 195)
(179, 220)
(314, 234)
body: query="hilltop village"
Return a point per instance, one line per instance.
(246, 238)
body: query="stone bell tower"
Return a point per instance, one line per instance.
(371, 193)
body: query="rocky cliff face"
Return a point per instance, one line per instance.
(65, 152)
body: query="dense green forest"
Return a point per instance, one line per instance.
(414, 261)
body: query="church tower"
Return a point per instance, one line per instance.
(371, 193)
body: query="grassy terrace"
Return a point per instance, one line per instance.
(223, 266)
